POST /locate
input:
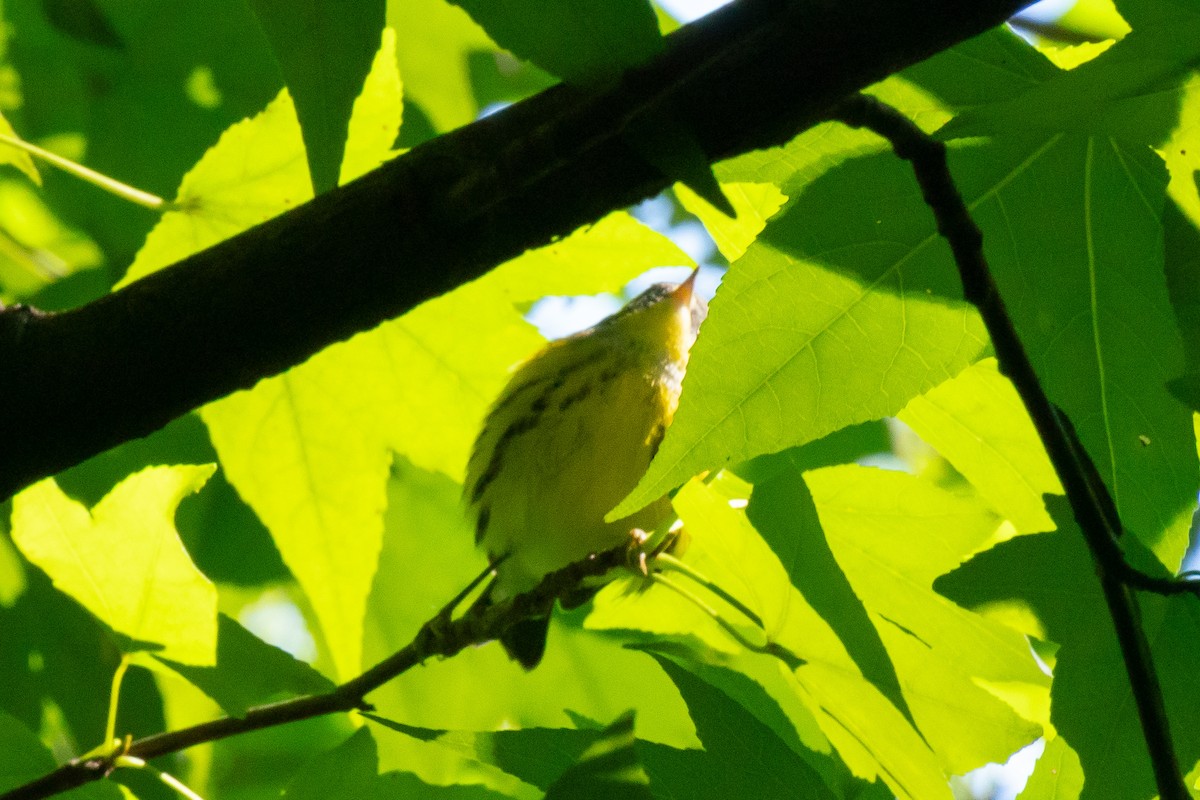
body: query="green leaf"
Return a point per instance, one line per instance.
(826, 700)
(83, 21)
(249, 671)
(309, 467)
(257, 170)
(978, 423)
(1130, 91)
(753, 203)
(1183, 162)
(1057, 775)
(1141, 13)
(852, 444)
(315, 477)
(325, 54)
(1039, 571)
(1181, 256)
(26, 759)
(38, 250)
(16, 156)
(813, 153)
(539, 756)
(349, 770)
(992, 67)
(670, 147)
(12, 574)
(1089, 300)
(68, 665)
(434, 44)
(739, 750)
(782, 511)
(124, 561)
(955, 668)
(609, 768)
(586, 42)
(143, 112)
(841, 311)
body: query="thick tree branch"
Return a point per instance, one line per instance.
(1090, 500)
(749, 76)
(441, 636)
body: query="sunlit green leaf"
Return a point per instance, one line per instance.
(323, 495)
(1089, 300)
(946, 657)
(608, 768)
(1039, 571)
(739, 751)
(826, 699)
(1181, 157)
(978, 423)
(15, 156)
(1057, 775)
(840, 312)
(12, 574)
(434, 42)
(124, 562)
(249, 671)
(258, 170)
(781, 509)
(755, 203)
(37, 248)
(324, 54)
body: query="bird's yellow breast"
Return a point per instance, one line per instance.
(570, 437)
(545, 504)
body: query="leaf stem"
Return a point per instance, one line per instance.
(133, 762)
(111, 185)
(767, 648)
(670, 562)
(114, 695)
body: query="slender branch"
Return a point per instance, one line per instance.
(440, 636)
(1090, 501)
(751, 75)
(110, 185)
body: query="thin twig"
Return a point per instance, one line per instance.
(110, 185)
(1090, 500)
(440, 636)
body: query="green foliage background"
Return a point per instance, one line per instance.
(915, 599)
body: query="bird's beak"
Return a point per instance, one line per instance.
(683, 292)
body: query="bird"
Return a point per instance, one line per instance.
(570, 436)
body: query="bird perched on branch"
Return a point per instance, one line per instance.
(569, 437)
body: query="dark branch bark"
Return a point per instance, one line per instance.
(749, 76)
(1090, 500)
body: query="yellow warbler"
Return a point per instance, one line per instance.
(569, 437)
